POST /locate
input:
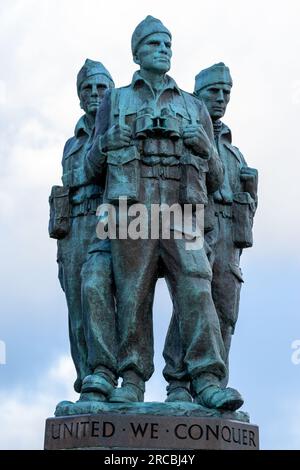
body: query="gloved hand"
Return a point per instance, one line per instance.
(115, 138)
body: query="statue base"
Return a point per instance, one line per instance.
(149, 426)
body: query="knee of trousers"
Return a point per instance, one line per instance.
(226, 296)
(96, 272)
(228, 321)
(96, 289)
(198, 292)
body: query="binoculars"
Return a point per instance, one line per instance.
(149, 125)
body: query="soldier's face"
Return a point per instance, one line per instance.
(154, 54)
(216, 97)
(91, 93)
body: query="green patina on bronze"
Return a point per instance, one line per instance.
(77, 202)
(229, 220)
(154, 143)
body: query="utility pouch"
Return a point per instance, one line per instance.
(242, 216)
(123, 175)
(59, 222)
(209, 214)
(193, 181)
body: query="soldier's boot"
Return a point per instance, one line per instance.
(97, 387)
(178, 390)
(78, 385)
(131, 390)
(213, 396)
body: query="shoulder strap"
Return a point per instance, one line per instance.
(185, 97)
(123, 103)
(114, 102)
(119, 102)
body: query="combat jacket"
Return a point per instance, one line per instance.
(138, 106)
(82, 188)
(233, 161)
(232, 201)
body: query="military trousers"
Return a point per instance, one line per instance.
(226, 286)
(227, 278)
(136, 265)
(72, 253)
(99, 312)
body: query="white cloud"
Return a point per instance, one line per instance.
(23, 411)
(3, 93)
(6, 204)
(62, 371)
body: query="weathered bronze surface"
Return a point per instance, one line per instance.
(148, 145)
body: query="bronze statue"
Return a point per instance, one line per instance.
(155, 144)
(229, 220)
(73, 221)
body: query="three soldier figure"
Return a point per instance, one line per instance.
(155, 144)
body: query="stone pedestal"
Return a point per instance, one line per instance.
(149, 426)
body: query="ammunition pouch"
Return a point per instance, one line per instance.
(159, 171)
(193, 181)
(87, 207)
(162, 147)
(123, 175)
(242, 215)
(209, 215)
(59, 222)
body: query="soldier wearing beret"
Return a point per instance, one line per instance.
(156, 144)
(229, 214)
(73, 221)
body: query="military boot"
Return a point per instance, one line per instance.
(131, 390)
(178, 390)
(219, 398)
(97, 387)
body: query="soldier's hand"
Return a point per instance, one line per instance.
(249, 176)
(116, 138)
(196, 138)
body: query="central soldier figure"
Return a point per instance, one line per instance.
(155, 142)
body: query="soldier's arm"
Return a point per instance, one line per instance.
(73, 177)
(63, 161)
(95, 160)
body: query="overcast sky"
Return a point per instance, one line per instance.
(43, 44)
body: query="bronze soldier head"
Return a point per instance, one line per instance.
(93, 80)
(151, 46)
(213, 86)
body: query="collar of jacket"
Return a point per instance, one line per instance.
(170, 83)
(82, 133)
(82, 128)
(226, 136)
